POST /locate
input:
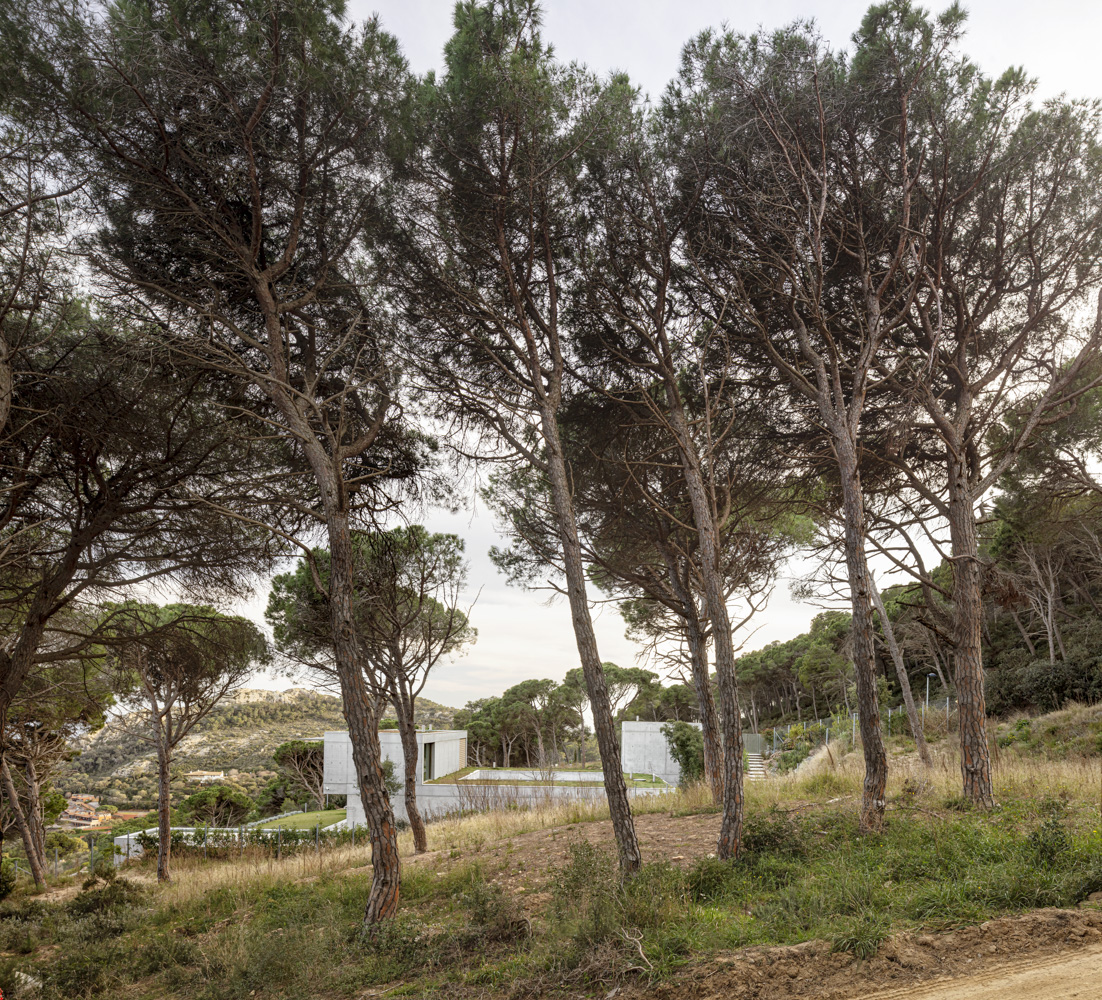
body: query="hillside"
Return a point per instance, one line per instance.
(525, 903)
(237, 737)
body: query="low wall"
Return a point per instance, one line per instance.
(533, 774)
(129, 845)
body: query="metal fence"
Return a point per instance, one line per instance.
(935, 713)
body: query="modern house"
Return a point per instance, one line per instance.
(644, 749)
(205, 777)
(439, 752)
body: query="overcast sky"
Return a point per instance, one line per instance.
(520, 635)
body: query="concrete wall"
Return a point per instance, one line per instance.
(643, 747)
(449, 753)
(440, 800)
(449, 750)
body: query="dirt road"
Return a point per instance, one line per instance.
(1059, 977)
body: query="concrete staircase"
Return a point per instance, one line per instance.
(755, 767)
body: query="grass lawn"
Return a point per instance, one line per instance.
(307, 821)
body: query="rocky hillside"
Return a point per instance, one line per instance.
(237, 737)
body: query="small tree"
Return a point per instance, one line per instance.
(217, 805)
(304, 766)
(686, 745)
(180, 660)
(406, 593)
(59, 702)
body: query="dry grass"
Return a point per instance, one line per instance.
(830, 776)
(194, 876)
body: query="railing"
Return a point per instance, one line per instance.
(840, 726)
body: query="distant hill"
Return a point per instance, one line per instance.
(238, 737)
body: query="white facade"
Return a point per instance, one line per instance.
(448, 754)
(643, 748)
(439, 752)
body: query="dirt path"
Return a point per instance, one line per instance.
(1044, 955)
(1058, 978)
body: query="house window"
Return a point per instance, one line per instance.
(428, 757)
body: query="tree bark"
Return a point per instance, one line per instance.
(360, 714)
(619, 807)
(34, 813)
(37, 871)
(975, 755)
(730, 830)
(164, 808)
(901, 674)
(868, 709)
(409, 756)
(698, 662)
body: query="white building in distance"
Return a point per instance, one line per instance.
(439, 752)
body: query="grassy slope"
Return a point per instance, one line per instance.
(1073, 732)
(225, 929)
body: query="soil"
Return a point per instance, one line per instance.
(1045, 955)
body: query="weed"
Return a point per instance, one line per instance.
(772, 833)
(493, 915)
(1050, 840)
(115, 894)
(863, 937)
(710, 880)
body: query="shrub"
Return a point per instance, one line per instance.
(1050, 840)
(773, 833)
(116, 894)
(79, 974)
(711, 879)
(7, 877)
(686, 745)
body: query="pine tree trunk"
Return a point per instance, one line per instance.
(25, 833)
(901, 674)
(619, 807)
(698, 662)
(360, 710)
(975, 758)
(730, 830)
(360, 714)
(164, 807)
(868, 708)
(34, 813)
(409, 755)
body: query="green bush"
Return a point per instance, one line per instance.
(773, 833)
(686, 745)
(1049, 841)
(7, 877)
(119, 893)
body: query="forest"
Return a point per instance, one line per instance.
(266, 296)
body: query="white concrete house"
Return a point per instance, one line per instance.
(643, 748)
(439, 752)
